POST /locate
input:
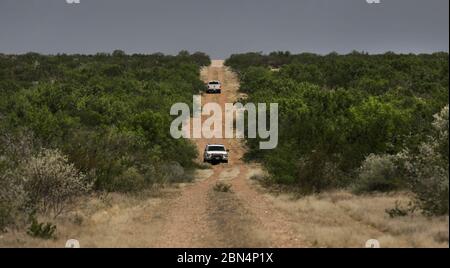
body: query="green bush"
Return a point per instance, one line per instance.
(429, 170)
(41, 230)
(129, 181)
(315, 174)
(378, 173)
(430, 183)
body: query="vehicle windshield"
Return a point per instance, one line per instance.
(213, 83)
(216, 148)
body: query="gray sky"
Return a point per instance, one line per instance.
(222, 27)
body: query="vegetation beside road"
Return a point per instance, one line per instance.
(372, 123)
(70, 124)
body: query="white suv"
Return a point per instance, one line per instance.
(215, 153)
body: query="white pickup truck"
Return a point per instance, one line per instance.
(214, 87)
(215, 153)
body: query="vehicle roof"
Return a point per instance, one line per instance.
(215, 145)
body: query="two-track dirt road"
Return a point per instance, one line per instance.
(202, 217)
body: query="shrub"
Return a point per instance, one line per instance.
(131, 180)
(315, 173)
(428, 169)
(12, 201)
(173, 172)
(440, 126)
(378, 173)
(203, 166)
(51, 182)
(222, 187)
(41, 230)
(14, 147)
(259, 178)
(399, 210)
(429, 181)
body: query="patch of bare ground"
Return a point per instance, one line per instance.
(233, 223)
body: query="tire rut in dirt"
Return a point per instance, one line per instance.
(232, 221)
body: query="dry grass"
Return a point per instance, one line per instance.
(113, 220)
(333, 219)
(341, 219)
(110, 220)
(222, 187)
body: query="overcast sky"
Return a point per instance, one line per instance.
(223, 27)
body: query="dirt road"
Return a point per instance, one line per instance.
(202, 217)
